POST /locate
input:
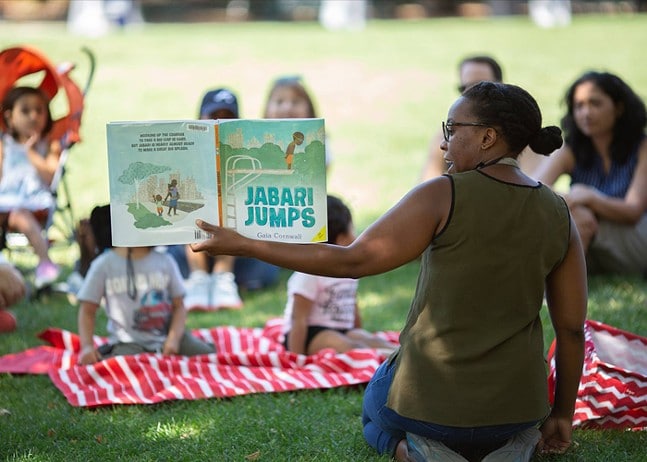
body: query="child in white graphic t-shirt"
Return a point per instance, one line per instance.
(322, 312)
(143, 293)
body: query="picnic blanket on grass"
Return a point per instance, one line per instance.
(247, 360)
(613, 387)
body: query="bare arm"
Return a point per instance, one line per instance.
(396, 238)
(560, 162)
(299, 332)
(87, 317)
(358, 317)
(45, 166)
(566, 295)
(628, 209)
(176, 329)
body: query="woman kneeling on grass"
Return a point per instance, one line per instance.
(469, 379)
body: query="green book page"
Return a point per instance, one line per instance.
(273, 178)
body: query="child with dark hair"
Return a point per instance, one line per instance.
(28, 162)
(101, 227)
(322, 312)
(143, 293)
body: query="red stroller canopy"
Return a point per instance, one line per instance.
(21, 61)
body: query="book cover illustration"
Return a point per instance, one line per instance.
(264, 178)
(273, 178)
(162, 177)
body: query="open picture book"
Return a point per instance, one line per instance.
(264, 178)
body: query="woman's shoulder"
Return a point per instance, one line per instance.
(641, 155)
(103, 260)
(642, 147)
(440, 182)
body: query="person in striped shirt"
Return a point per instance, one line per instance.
(605, 154)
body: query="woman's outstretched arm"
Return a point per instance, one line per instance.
(396, 238)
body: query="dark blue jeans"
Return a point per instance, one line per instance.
(384, 428)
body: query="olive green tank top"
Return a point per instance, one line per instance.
(472, 350)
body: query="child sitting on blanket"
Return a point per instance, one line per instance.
(322, 312)
(143, 293)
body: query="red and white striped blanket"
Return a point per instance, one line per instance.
(612, 394)
(248, 360)
(613, 388)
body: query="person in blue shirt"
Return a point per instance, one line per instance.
(605, 154)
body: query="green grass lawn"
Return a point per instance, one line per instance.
(383, 93)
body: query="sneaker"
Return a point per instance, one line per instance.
(423, 449)
(198, 290)
(225, 292)
(519, 448)
(46, 273)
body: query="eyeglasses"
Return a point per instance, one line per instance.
(447, 127)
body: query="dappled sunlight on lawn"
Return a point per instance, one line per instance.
(172, 430)
(384, 299)
(619, 301)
